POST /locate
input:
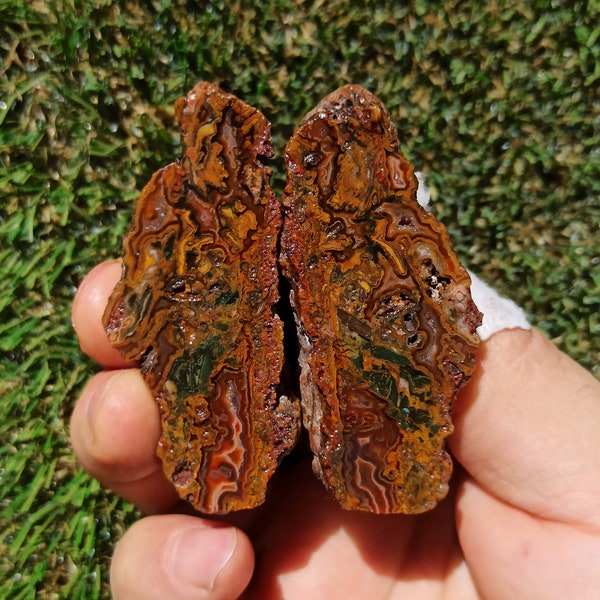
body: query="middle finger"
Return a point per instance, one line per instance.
(114, 431)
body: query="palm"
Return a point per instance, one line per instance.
(526, 430)
(306, 546)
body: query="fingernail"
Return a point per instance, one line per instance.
(199, 554)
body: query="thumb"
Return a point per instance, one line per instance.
(183, 557)
(527, 428)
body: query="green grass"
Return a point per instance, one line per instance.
(496, 101)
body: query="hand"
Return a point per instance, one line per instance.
(522, 521)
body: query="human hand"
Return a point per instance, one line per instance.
(522, 520)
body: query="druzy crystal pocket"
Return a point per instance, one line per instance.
(382, 307)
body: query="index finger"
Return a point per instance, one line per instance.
(88, 307)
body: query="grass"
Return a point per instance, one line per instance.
(496, 101)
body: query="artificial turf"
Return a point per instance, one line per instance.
(497, 102)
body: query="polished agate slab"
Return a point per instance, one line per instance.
(381, 304)
(385, 317)
(195, 306)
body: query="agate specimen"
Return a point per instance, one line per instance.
(382, 306)
(195, 306)
(383, 309)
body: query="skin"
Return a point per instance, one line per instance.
(522, 520)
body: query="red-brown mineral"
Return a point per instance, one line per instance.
(195, 306)
(385, 317)
(382, 306)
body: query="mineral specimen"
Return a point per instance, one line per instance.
(385, 317)
(195, 306)
(382, 306)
